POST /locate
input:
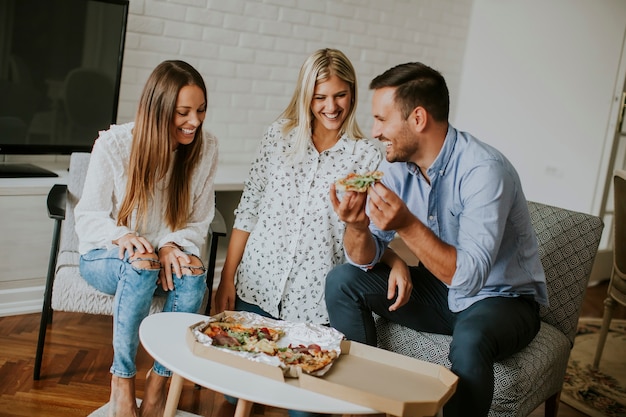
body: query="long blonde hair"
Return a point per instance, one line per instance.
(317, 68)
(151, 152)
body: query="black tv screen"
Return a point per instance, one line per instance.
(60, 70)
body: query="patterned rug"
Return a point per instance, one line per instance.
(601, 392)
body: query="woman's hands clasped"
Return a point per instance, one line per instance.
(170, 256)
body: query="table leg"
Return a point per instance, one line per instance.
(173, 395)
(243, 408)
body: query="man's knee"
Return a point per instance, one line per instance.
(337, 277)
(470, 347)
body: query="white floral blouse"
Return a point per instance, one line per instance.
(295, 236)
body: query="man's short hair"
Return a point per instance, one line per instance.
(417, 85)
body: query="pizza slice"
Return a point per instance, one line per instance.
(309, 358)
(358, 182)
(239, 337)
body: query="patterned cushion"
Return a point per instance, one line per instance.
(568, 242)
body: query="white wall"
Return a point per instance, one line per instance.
(538, 83)
(249, 52)
(534, 78)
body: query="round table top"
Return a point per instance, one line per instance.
(163, 335)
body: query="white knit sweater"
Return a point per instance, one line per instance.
(105, 185)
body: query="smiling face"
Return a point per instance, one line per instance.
(331, 104)
(188, 115)
(391, 128)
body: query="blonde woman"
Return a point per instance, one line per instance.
(286, 236)
(146, 208)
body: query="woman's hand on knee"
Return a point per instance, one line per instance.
(132, 243)
(172, 261)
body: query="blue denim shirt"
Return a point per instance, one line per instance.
(475, 203)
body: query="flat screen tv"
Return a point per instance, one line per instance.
(60, 71)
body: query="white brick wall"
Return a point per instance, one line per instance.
(250, 52)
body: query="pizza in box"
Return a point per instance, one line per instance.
(292, 346)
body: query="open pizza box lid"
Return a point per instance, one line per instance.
(392, 383)
(386, 381)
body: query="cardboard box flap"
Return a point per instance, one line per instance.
(386, 381)
(399, 361)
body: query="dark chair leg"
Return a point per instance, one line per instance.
(211, 271)
(552, 405)
(46, 311)
(218, 228)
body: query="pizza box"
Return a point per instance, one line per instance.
(386, 381)
(390, 382)
(227, 358)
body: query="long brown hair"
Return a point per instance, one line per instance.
(151, 152)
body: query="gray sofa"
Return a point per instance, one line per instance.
(568, 243)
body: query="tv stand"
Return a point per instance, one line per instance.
(15, 170)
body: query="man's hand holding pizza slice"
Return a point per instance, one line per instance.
(351, 207)
(388, 212)
(351, 210)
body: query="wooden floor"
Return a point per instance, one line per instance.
(75, 378)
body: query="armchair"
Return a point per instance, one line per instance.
(65, 289)
(568, 243)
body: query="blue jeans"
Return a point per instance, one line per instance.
(488, 331)
(133, 289)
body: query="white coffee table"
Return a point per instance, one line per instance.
(163, 335)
